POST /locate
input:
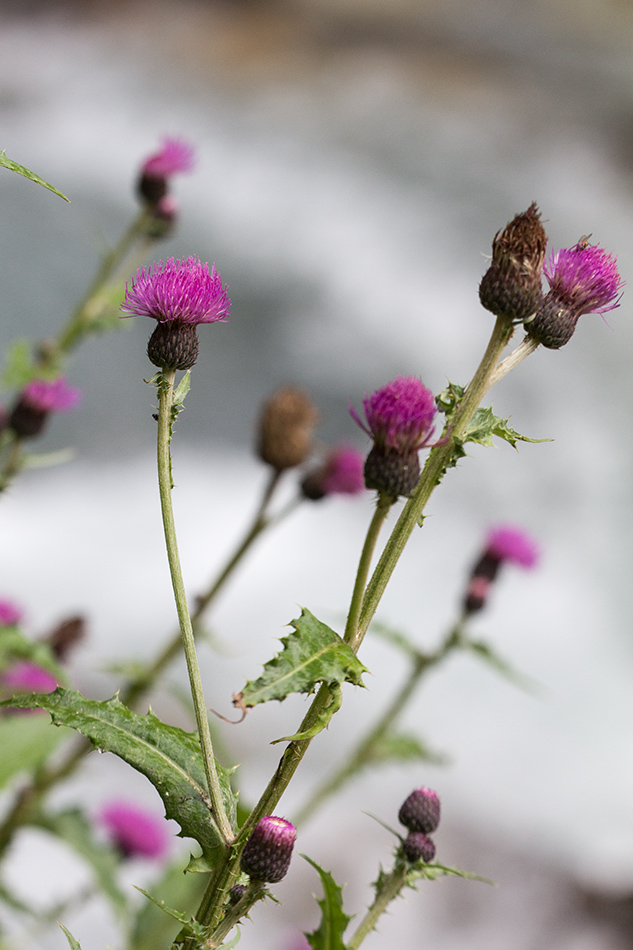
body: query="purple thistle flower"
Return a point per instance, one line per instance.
(174, 156)
(134, 831)
(10, 613)
(400, 419)
(37, 400)
(504, 543)
(183, 291)
(27, 677)
(583, 279)
(340, 474)
(507, 543)
(179, 295)
(267, 853)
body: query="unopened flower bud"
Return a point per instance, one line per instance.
(583, 279)
(267, 853)
(511, 287)
(237, 893)
(504, 543)
(400, 420)
(418, 847)
(340, 474)
(420, 811)
(175, 156)
(284, 437)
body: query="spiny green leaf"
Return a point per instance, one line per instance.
(322, 721)
(151, 928)
(312, 654)
(191, 926)
(26, 742)
(329, 934)
(73, 827)
(169, 757)
(181, 390)
(27, 173)
(431, 872)
(74, 944)
(486, 653)
(484, 425)
(403, 747)
(395, 637)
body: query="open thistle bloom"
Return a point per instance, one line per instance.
(400, 420)
(340, 474)
(504, 543)
(10, 613)
(267, 853)
(178, 294)
(37, 401)
(583, 279)
(174, 157)
(134, 831)
(511, 287)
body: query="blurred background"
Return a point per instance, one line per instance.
(355, 159)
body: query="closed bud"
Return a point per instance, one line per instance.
(420, 811)
(511, 287)
(418, 847)
(267, 853)
(173, 345)
(284, 437)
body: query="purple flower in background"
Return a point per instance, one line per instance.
(36, 402)
(503, 543)
(267, 853)
(27, 677)
(340, 474)
(179, 295)
(507, 543)
(400, 419)
(10, 613)
(174, 156)
(583, 279)
(135, 831)
(183, 291)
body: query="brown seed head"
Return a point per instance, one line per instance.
(511, 287)
(284, 436)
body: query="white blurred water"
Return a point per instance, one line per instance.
(349, 205)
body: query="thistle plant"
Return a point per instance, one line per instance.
(241, 853)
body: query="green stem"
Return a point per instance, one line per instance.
(165, 394)
(391, 887)
(436, 464)
(351, 628)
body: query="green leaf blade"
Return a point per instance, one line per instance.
(312, 654)
(27, 173)
(334, 921)
(169, 757)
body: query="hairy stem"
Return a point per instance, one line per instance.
(389, 890)
(165, 394)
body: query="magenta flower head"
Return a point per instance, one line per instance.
(37, 401)
(10, 613)
(27, 677)
(134, 831)
(583, 279)
(504, 543)
(400, 420)
(174, 157)
(420, 811)
(340, 474)
(178, 295)
(511, 287)
(267, 853)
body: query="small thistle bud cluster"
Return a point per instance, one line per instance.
(400, 419)
(267, 853)
(37, 401)
(286, 424)
(583, 279)
(504, 543)
(178, 294)
(420, 814)
(511, 287)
